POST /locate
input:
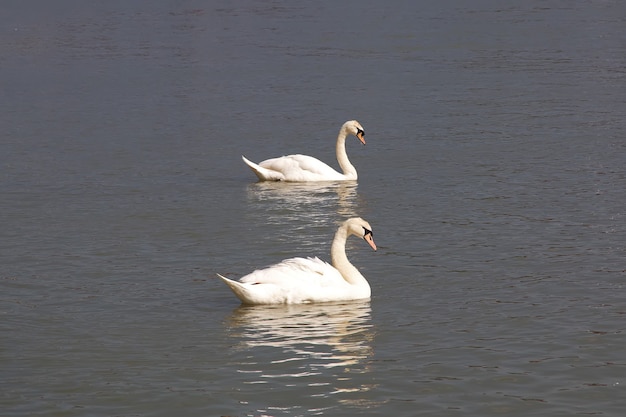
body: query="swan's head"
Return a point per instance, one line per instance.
(359, 227)
(353, 127)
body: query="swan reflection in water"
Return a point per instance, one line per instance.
(321, 350)
(310, 202)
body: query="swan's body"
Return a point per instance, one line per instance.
(308, 280)
(299, 168)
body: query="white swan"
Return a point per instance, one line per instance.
(308, 280)
(299, 168)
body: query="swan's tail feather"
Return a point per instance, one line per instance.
(264, 174)
(237, 288)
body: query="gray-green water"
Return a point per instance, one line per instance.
(493, 177)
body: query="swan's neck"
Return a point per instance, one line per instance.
(340, 260)
(342, 157)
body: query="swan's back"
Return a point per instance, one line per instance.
(310, 272)
(302, 168)
(295, 281)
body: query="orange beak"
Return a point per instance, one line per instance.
(360, 134)
(369, 239)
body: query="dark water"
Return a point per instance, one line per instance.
(493, 177)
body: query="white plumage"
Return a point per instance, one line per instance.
(303, 168)
(307, 280)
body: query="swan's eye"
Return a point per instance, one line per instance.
(360, 132)
(367, 232)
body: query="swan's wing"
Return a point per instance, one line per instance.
(301, 168)
(313, 165)
(297, 272)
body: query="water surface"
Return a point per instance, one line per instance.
(493, 177)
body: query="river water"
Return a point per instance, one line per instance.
(493, 177)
